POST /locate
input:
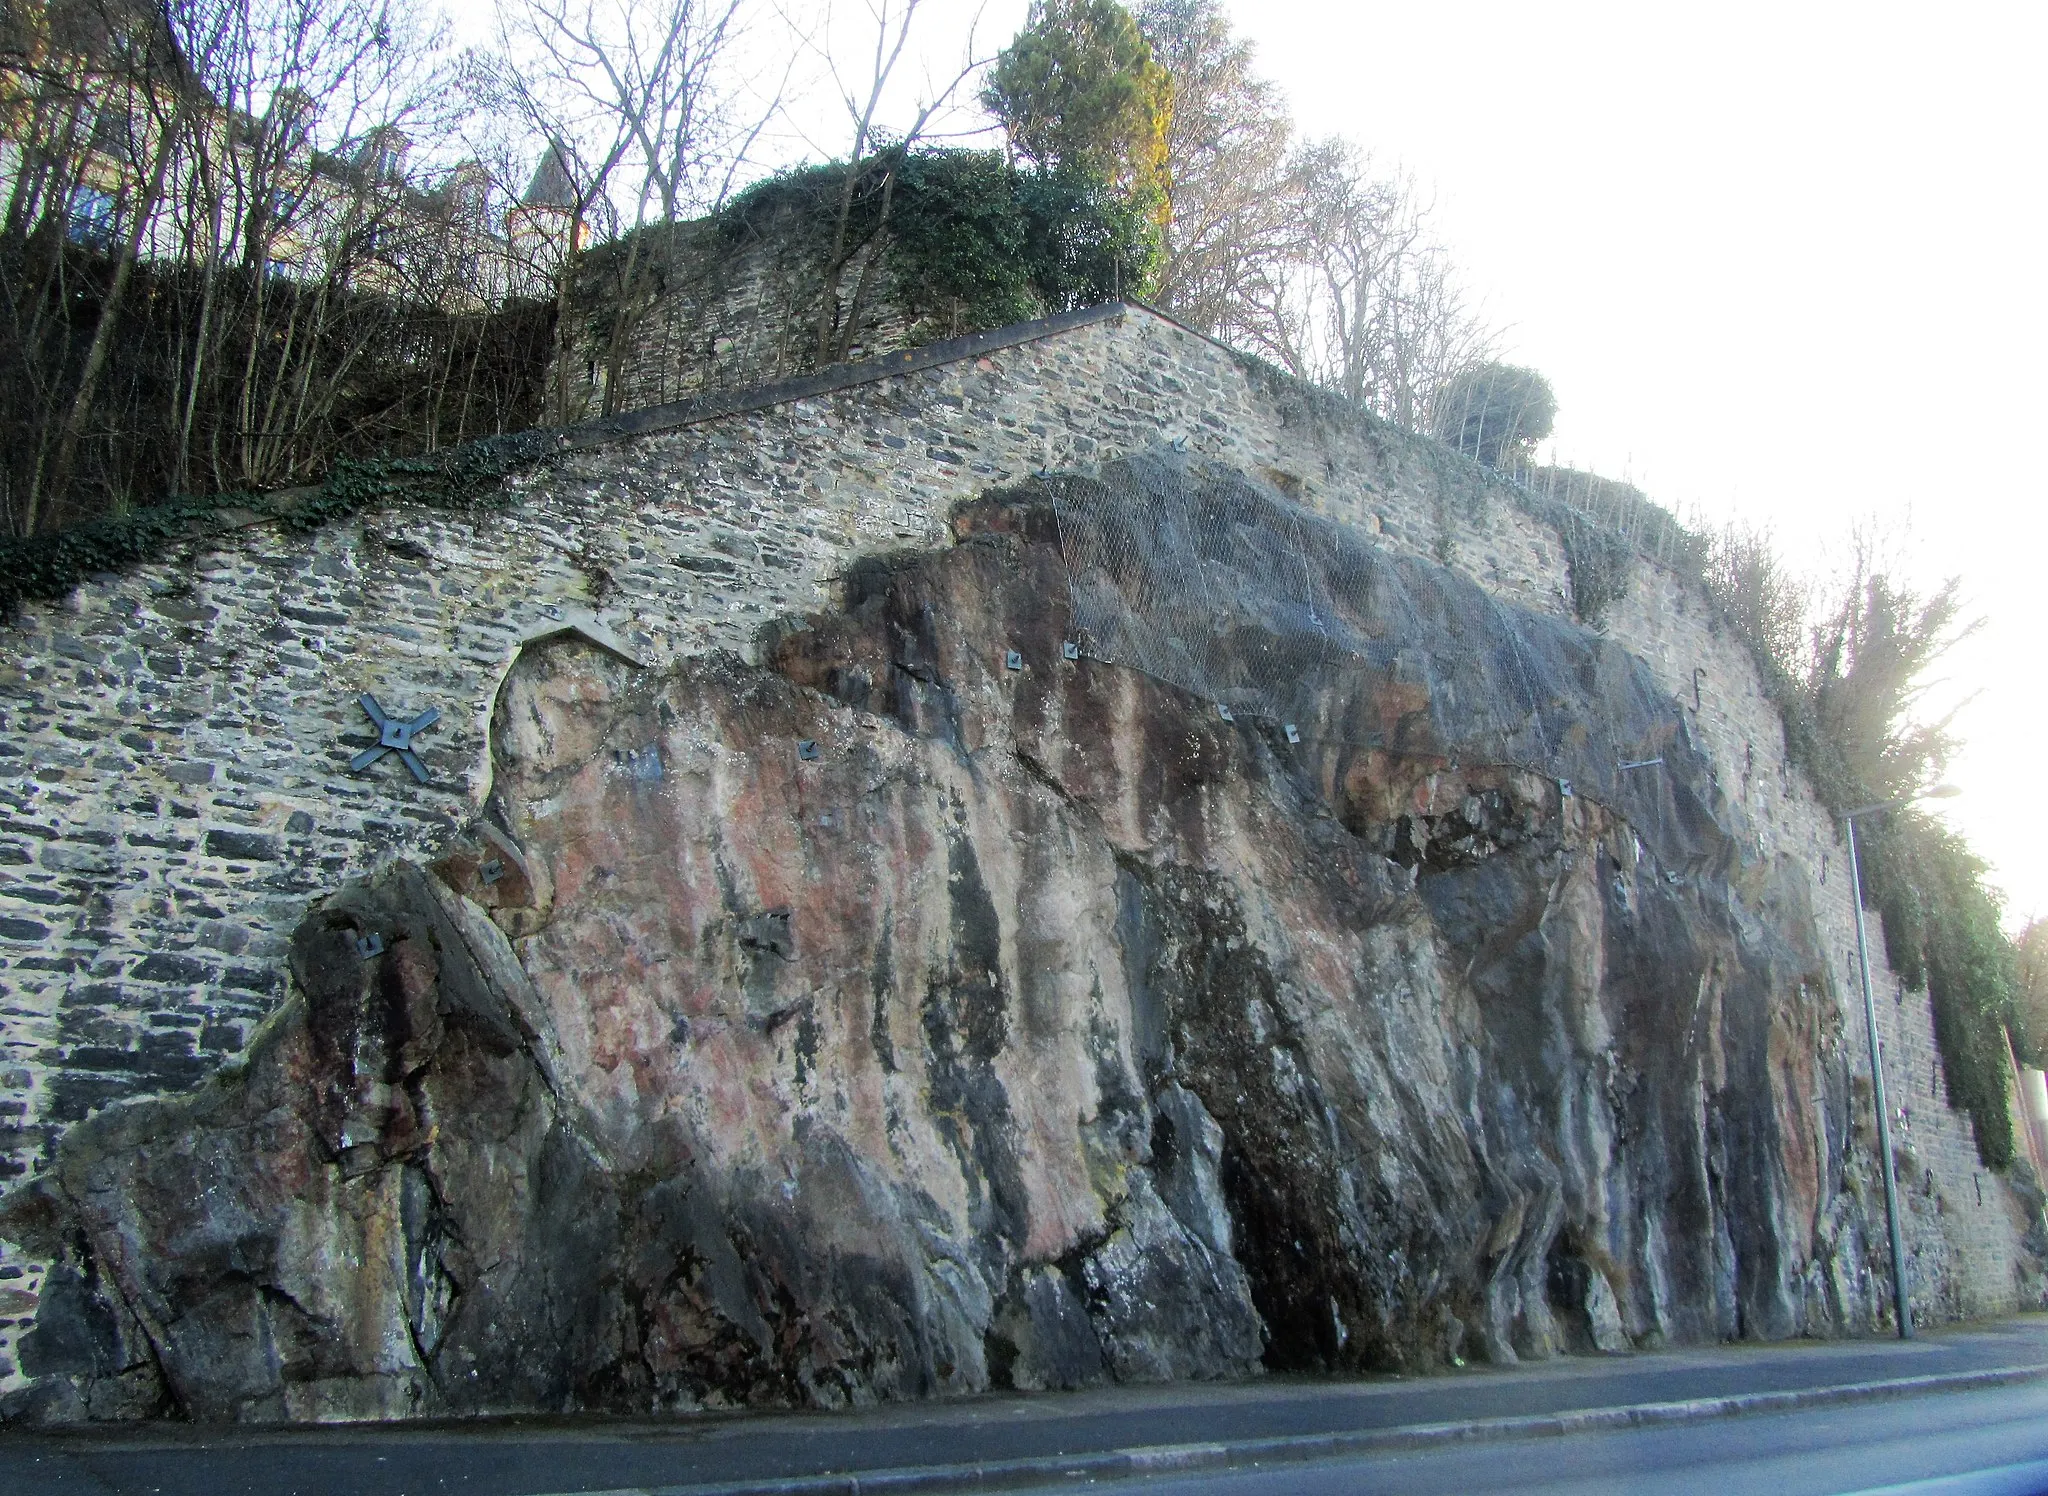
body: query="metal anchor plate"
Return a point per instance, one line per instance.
(394, 736)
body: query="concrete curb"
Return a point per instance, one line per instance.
(1162, 1459)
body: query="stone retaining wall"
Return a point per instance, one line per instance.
(705, 305)
(175, 743)
(1964, 1222)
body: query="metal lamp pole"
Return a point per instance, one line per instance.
(1900, 1297)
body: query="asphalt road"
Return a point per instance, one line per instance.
(528, 1457)
(1944, 1444)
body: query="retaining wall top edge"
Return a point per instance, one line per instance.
(701, 408)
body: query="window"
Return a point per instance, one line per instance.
(89, 217)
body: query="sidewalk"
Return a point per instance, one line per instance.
(1010, 1440)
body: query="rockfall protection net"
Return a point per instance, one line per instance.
(1205, 578)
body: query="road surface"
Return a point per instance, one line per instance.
(2000, 1437)
(1030, 1442)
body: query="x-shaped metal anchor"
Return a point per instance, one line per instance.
(394, 737)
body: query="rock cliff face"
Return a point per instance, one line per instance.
(885, 1021)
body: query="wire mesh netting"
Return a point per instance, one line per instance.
(1203, 577)
(1619, 507)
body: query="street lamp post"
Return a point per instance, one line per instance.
(1900, 1297)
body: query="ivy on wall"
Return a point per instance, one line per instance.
(45, 568)
(972, 241)
(1941, 927)
(1846, 692)
(221, 377)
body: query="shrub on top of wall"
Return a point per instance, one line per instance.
(972, 242)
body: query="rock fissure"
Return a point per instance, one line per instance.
(1045, 1028)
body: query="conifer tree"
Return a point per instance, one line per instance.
(1078, 89)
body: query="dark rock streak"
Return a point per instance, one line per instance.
(1045, 1029)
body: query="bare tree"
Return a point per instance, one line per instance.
(1433, 332)
(638, 97)
(885, 28)
(1237, 201)
(637, 104)
(364, 80)
(1304, 253)
(272, 172)
(129, 47)
(1356, 294)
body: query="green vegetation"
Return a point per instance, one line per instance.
(1495, 413)
(1942, 931)
(972, 242)
(2030, 981)
(1847, 688)
(301, 377)
(1600, 561)
(46, 567)
(392, 315)
(1078, 89)
(1846, 678)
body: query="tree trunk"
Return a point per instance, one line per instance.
(102, 345)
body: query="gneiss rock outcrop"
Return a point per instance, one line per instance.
(884, 1021)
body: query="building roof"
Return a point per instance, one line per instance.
(552, 186)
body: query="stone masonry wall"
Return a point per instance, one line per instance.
(175, 743)
(1964, 1222)
(699, 306)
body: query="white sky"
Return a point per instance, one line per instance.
(1781, 262)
